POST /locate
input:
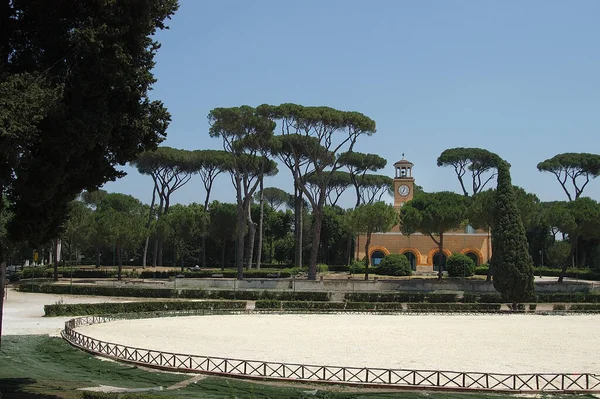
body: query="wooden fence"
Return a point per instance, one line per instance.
(366, 376)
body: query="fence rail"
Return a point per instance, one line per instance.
(401, 378)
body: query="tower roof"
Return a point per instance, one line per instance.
(403, 162)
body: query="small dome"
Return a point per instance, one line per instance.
(403, 162)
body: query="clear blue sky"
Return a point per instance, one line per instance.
(519, 78)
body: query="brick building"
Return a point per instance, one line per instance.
(421, 250)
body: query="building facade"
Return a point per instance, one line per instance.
(422, 252)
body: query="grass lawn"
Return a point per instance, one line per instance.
(37, 366)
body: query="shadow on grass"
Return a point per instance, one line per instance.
(16, 388)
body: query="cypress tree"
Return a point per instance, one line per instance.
(511, 263)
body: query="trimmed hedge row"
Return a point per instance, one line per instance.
(454, 307)
(82, 309)
(579, 307)
(583, 274)
(400, 297)
(227, 273)
(417, 297)
(300, 305)
(169, 293)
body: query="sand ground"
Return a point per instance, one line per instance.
(489, 343)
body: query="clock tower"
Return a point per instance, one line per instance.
(403, 182)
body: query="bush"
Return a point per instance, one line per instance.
(482, 270)
(585, 307)
(394, 265)
(572, 297)
(559, 306)
(441, 298)
(459, 265)
(385, 297)
(532, 307)
(558, 254)
(454, 307)
(490, 298)
(357, 267)
(322, 268)
(35, 272)
(268, 304)
(81, 309)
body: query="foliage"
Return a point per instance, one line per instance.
(569, 167)
(368, 187)
(310, 144)
(459, 265)
(322, 268)
(82, 309)
(377, 217)
(558, 254)
(433, 214)
(476, 160)
(394, 265)
(95, 99)
(455, 307)
(184, 228)
(357, 267)
(275, 197)
(511, 263)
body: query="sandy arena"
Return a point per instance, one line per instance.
(489, 343)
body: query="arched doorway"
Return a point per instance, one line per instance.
(376, 257)
(439, 260)
(473, 257)
(412, 259)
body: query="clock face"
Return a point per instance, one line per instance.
(403, 190)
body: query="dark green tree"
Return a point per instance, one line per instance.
(75, 103)
(313, 139)
(511, 262)
(479, 162)
(223, 217)
(209, 164)
(186, 225)
(170, 169)
(275, 197)
(246, 136)
(358, 165)
(377, 217)
(575, 169)
(434, 214)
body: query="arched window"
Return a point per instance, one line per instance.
(376, 257)
(439, 260)
(412, 259)
(474, 257)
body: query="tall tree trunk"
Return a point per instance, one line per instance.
(2, 282)
(251, 236)
(203, 251)
(441, 269)
(260, 225)
(144, 256)
(55, 273)
(223, 255)
(563, 269)
(159, 256)
(155, 252)
(298, 226)
(314, 251)
(367, 245)
(120, 258)
(148, 223)
(239, 237)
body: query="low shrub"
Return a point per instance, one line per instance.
(490, 298)
(572, 297)
(106, 395)
(227, 273)
(322, 268)
(374, 306)
(268, 304)
(532, 307)
(441, 298)
(35, 272)
(357, 267)
(385, 297)
(469, 297)
(81, 309)
(454, 307)
(292, 305)
(585, 307)
(169, 293)
(459, 265)
(394, 265)
(482, 270)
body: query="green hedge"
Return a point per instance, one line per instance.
(454, 307)
(400, 297)
(81, 309)
(583, 274)
(227, 273)
(572, 297)
(585, 307)
(100, 290)
(105, 395)
(300, 305)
